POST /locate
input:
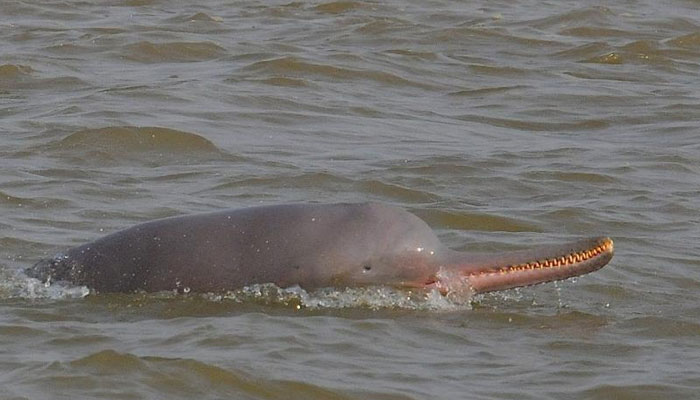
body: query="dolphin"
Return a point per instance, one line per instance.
(310, 245)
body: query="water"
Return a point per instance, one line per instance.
(502, 124)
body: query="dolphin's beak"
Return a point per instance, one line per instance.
(500, 271)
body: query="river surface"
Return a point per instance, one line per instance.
(502, 124)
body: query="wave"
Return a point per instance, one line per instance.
(151, 145)
(149, 52)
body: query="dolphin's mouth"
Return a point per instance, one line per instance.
(486, 273)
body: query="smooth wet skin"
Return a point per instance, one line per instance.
(334, 245)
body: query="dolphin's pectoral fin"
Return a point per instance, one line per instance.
(530, 267)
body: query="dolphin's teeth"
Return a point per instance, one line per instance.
(566, 260)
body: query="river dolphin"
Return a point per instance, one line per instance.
(310, 245)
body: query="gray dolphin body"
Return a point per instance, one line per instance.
(333, 245)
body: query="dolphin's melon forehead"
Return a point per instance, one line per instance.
(392, 228)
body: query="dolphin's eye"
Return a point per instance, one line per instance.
(367, 267)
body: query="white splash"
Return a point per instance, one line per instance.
(15, 284)
(373, 297)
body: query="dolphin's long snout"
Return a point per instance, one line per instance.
(490, 272)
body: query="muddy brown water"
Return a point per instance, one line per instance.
(502, 124)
